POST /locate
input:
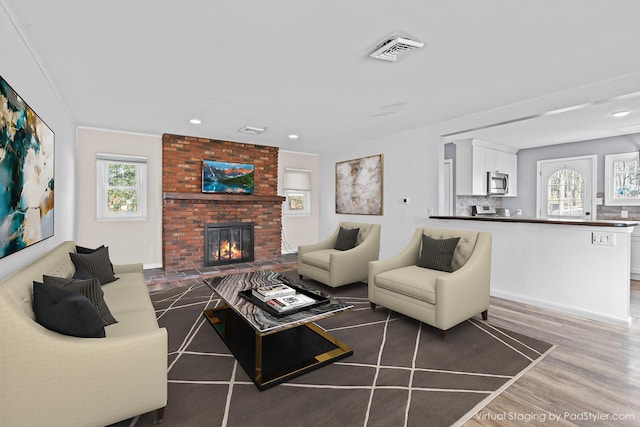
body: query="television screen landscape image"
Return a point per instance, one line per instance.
(226, 177)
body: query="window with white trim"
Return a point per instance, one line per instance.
(121, 187)
(297, 190)
(622, 179)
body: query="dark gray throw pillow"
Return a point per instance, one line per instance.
(346, 239)
(437, 254)
(96, 263)
(82, 274)
(90, 288)
(66, 312)
(87, 251)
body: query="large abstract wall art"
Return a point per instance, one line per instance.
(359, 186)
(26, 174)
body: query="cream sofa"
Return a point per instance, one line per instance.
(321, 262)
(438, 298)
(49, 379)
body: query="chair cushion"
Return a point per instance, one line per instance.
(437, 254)
(66, 312)
(346, 239)
(412, 281)
(319, 259)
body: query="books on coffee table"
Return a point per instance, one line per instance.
(289, 302)
(304, 299)
(267, 292)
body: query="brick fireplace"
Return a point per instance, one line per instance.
(186, 210)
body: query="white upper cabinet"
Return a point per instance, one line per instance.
(475, 158)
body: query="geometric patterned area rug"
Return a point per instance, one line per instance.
(401, 373)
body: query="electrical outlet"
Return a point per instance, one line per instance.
(602, 238)
(624, 214)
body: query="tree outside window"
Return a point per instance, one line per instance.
(622, 179)
(565, 193)
(122, 193)
(121, 188)
(297, 202)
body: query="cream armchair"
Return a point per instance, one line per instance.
(333, 267)
(438, 298)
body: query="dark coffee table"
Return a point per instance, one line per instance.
(273, 349)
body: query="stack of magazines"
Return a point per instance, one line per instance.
(290, 302)
(282, 297)
(267, 292)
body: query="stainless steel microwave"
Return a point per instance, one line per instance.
(497, 183)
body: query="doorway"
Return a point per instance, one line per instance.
(566, 188)
(448, 188)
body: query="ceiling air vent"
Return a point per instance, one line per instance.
(251, 130)
(391, 48)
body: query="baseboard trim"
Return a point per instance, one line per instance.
(573, 311)
(151, 266)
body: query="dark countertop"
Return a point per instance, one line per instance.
(603, 223)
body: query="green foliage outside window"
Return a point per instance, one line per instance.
(122, 193)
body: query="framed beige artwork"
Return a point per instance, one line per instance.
(359, 186)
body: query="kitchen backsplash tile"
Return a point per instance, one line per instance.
(615, 212)
(464, 203)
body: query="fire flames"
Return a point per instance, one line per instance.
(230, 250)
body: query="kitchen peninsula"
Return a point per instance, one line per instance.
(572, 266)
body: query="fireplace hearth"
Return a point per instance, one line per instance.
(228, 243)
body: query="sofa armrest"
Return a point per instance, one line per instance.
(76, 379)
(465, 292)
(409, 256)
(328, 243)
(312, 247)
(367, 250)
(127, 268)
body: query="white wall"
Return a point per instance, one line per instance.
(556, 266)
(299, 230)
(413, 168)
(132, 241)
(21, 70)
(412, 161)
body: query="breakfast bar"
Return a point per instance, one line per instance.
(572, 266)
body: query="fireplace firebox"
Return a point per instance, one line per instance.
(228, 243)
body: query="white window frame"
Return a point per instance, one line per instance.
(102, 187)
(297, 182)
(610, 181)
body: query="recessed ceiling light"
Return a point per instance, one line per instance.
(293, 136)
(195, 121)
(620, 113)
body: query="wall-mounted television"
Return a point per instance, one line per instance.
(226, 177)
